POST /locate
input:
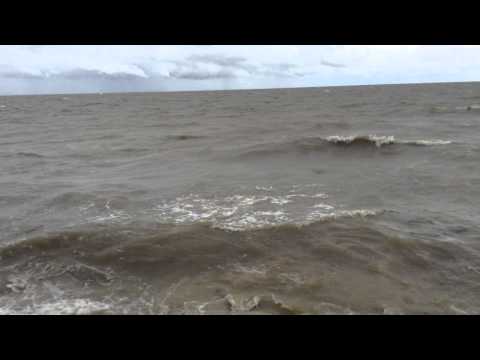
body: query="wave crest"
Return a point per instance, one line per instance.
(381, 140)
(94, 239)
(361, 139)
(315, 143)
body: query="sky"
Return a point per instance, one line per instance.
(46, 69)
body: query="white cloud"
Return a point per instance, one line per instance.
(125, 68)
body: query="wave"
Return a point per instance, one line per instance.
(300, 205)
(60, 307)
(243, 268)
(428, 142)
(312, 144)
(243, 210)
(22, 154)
(361, 140)
(29, 154)
(96, 237)
(185, 137)
(450, 110)
(379, 141)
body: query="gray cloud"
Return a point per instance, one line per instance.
(194, 67)
(10, 72)
(45, 68)
(281, 70)
(83, 74)
(221, 60)
(73, 74)
(202, 75)
(331, 64)
(208, 66)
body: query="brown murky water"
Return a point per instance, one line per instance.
(302, 201)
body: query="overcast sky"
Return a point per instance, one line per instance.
(95, 68)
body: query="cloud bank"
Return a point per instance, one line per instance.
(70, 69)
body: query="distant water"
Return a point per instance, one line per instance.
(301, 201)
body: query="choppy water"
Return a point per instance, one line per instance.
(300, 201)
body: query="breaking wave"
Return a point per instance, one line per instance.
(361, 140)
(379, 141)
(302, 204)
(312, 144)
(248, 267)
(61, 307)
(97, 238)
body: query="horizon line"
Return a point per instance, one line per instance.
(237, 90)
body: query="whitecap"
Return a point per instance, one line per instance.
(61, 307)
(383, 140)
(377, 140)
(429, 142)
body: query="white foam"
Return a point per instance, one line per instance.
(327, 308)
(458, 310)
(61, 307)
(359, 212)
(241, 304)
(377, 140)
(292, 277)
(72, 307)
(264, 188)
(323, 206)
(322, 216)
(232, 212)
(198, 308)
(384, 140)
(319, 195)
(4, 311)
(261, 271)
(255, 220)
(110, 217)
(429, 142)
(298, 204)
(17, 284)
